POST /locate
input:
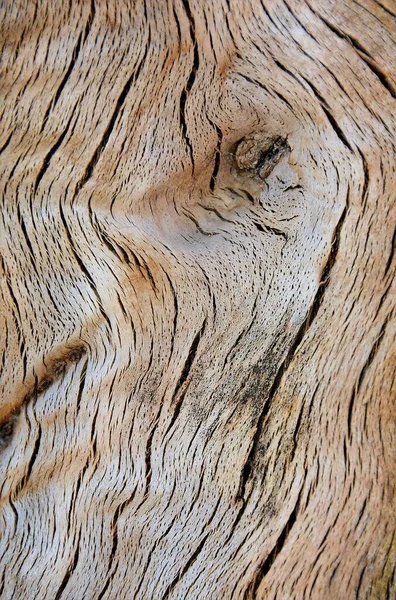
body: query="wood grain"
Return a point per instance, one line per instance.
(197, 300)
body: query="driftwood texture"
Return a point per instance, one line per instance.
(196, 311)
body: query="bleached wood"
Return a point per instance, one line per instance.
(197, 326)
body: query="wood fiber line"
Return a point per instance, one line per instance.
(197, 392)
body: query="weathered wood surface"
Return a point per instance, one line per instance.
(198, 392)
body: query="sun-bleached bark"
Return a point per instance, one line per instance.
(197, 269)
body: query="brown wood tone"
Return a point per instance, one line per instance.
(197, 300)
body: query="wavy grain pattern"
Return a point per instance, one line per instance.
(197, 269)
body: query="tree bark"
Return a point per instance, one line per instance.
(197, 398)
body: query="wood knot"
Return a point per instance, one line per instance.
(55, 369)
(259, 153)
(7, 428)
(44, 384)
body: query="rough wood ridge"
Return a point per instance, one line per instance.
(197, 268)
